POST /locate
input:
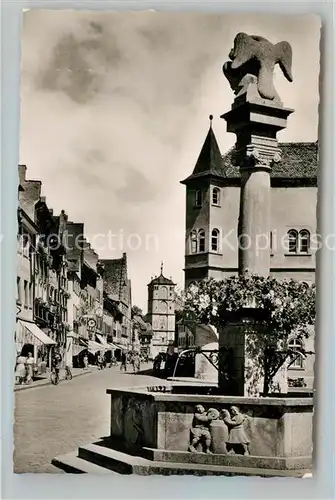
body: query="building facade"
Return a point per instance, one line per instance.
(161, 313)
(142, 336)
(117, 300)
(64, 300)
(41, 321)
(212, 212)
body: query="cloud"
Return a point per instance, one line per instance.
(115, 110)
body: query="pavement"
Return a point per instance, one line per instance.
(55, 420)
(45, 379)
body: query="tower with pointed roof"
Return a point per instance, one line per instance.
(210, 203)
(161, 313)
(212, 212)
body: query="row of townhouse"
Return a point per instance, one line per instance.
(67, 298)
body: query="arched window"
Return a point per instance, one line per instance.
(216, 196)
(194, 242)
(198, 198)
(215, 240)
(292, 241)
(304, 241)
(201, 240)
(296, 345)
(164, 307)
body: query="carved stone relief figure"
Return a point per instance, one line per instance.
(200, 434)
(238, 442)
(212, 434)
(219, 432)
(133, 425)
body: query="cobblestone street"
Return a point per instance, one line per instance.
(53, 420)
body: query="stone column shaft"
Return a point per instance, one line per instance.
(254, 221)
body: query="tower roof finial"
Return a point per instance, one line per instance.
(210, 120)
(162, 268)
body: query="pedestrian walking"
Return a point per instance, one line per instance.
(134, 362)
(100, 362)
(123, 365)
(138, 363)
(56, 363)
(30, 362)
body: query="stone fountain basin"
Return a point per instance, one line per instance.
(158, 423)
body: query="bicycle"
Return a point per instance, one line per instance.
(68, 373)
(54, 376)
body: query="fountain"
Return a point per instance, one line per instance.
(208, 430)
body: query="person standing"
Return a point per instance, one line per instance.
(85, 360)
(20, 370)
(56, 362)
(138, 363)
(30, 362)
(123, 365)
(133, 361)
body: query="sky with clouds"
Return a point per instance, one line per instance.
(114, 111)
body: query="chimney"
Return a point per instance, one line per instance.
(51, 212)
(22, 173)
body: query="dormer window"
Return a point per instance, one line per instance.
(216, 196)
(198, 198)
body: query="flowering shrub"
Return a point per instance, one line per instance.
(288, 307)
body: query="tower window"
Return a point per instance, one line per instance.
(215, 240)
(198, 198)
(298, 243)
(296, 345)
(292, 241)
(194, 242)
(304, 241)
(216, 196)
(201, 240)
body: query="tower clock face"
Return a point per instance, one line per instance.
(91, 323)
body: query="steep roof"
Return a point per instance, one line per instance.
(299, 160)
(209, 160)
(161, 280)
(117, 286)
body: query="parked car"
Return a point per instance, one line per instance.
(186, 365)
(159, 363)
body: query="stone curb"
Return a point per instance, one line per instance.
(47, 381)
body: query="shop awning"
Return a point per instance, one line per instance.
(35, 335)
(94, 347)
(113, 346)
(76, 349)
(122, 347)
(103, 342)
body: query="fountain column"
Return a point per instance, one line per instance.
(256, 115)
(255, 123)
